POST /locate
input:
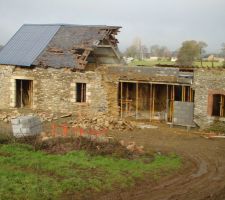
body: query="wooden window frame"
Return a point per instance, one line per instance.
(81, 92)
(211, 95)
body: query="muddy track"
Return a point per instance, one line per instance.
(201, 178)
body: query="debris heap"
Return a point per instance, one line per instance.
(102, 121)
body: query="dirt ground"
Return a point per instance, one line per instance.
(201, 178)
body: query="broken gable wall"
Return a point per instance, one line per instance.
(54, 89)
(207, 81)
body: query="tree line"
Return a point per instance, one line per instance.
(189, 51)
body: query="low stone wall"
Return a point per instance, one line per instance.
(206, 80)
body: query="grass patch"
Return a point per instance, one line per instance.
(29, 175)
(166, 62)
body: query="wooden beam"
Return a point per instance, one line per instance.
(221, 105)
(167, 101)
(104, 46)
(150, 102)
(126, 99)
(153, 102)
(121, 100)
(105, 56)
(137, 100)
(21, 93)
(173, 103)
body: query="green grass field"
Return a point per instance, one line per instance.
(164, 62)
(32, 175)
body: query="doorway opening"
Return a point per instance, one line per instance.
(149, 100)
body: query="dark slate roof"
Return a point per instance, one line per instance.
(33, 44)
(27, 44)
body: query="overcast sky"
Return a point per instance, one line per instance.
(163, 22)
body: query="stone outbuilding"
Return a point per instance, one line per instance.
(53, 67)
(78, 69)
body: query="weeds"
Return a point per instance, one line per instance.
(217, 127)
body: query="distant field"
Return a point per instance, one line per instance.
(164, 62)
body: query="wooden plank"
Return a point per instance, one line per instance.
(126, 102)
(167, 101)
(21, 93)
(221, 105)
(150, 103)
(158, 83)
(153, 102)
(104, 46)
(137, 100)
(121, 100)
(173, 103)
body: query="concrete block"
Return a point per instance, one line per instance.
(26, 126)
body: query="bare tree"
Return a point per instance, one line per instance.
(135, 50)
(159, 51)
(202, 46)
(223, 53)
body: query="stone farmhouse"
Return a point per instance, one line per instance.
(78, 69)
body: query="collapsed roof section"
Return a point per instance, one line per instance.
(62, 45)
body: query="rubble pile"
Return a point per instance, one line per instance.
(7, 116)
(44, 116)
(102, 121)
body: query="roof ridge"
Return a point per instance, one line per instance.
(77, 25)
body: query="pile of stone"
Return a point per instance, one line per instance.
(99, 121)
(44, 116)
(132, 147)
(102, 121)
(7, 116)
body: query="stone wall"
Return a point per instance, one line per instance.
(206, 81)
(54, 89)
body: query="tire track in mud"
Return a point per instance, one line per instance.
(201, 178)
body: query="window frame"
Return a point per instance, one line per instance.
(220, 96)
(81, 92)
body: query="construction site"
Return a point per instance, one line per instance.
(56, 78)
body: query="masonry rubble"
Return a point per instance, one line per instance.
(98, 121)
(103, 121)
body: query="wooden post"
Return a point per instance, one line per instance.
(172, 107)
(223, 101)
(150, 102)
(136, 100)
(82, 92)
(221, 105)
(21, 93)
(153, 101)
(121, 100)
(126, 98)
(182, 98)
(167, 101)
